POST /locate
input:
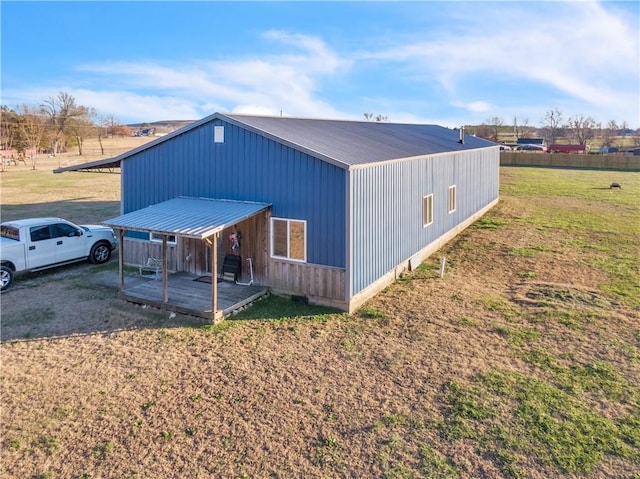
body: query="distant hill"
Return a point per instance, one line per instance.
(161, 127)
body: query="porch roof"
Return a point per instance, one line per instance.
(196, 218)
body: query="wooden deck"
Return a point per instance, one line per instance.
(189, 296)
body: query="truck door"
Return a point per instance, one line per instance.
(70, 242)
(41, 247)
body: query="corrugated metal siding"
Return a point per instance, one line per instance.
(245, 167)
(387, 225)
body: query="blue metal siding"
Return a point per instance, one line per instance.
(246, 167)
(387, 225)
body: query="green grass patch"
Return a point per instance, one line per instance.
(571, 318)
(490, 221)
(518, 335)
(465, 321)
(499, 304)
(623, 270)
(598, 376)
(587, 185)
(529, 251)
(49, 444)
(511, 416)
(436, 465)
(370, 312)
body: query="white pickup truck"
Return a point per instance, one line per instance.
(40, 243)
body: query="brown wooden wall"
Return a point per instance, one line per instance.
(563, 160)
(314, 281)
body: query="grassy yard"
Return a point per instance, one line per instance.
(523, 361)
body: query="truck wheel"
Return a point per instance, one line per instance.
(100, 253)
(6, 276)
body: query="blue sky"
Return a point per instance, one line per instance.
(449, 63)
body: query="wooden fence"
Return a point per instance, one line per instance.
(563, 160)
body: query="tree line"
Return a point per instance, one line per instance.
(577, 129)
(54, 126)
(59, 123)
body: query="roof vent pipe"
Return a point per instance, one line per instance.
(461, 140)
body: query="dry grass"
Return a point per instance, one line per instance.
(82, 197)
(526, 348)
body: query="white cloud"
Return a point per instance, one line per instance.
(475, 106)
(285, 81)
(583, 51)
(518, 59)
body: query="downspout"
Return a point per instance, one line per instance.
(348, 280)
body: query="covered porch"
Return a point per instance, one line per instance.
(190, 219)
(191, 294)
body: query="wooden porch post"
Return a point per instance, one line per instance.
(214, 276)
(121, 259)
(165, 276)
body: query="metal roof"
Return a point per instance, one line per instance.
(359, 143)
(196, 218)
(340, 142)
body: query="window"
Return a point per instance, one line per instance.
(61, 230)
(289, 239)
(11, 232)
(218, 134)
(427, 210)
(40, 233)
(157, 238)
(452, 198)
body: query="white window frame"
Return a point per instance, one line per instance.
(157, 238)
(288, 257)
(453, 200)
(427, 202)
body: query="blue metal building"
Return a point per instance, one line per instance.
(342, 207)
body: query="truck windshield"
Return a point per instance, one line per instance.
(11, 232)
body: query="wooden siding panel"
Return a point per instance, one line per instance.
(315, 281)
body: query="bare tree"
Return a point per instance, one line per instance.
(8, 128)
(32, 130)
(624, 126)
(102, 128)
(521, 130)
(608, 134)
(106, 127)
(581, 128)
(482, 131)
(493, 126)
(82, 126)
(61, 111)
(552, 124)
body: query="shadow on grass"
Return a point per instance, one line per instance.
(279, 307)
(76, 300)
(83, 299)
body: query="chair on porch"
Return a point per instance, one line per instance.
(231, 267)
(153, 265)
